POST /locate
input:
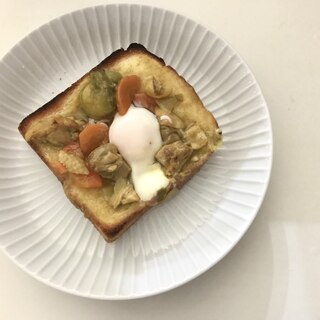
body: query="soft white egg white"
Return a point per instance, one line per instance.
(137, 137)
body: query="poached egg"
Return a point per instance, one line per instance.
(137, 137)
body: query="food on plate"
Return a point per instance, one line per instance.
(123, 138)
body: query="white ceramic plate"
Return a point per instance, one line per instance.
(48, 238)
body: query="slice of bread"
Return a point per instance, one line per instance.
(196, 124)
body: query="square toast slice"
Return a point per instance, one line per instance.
(197, 127)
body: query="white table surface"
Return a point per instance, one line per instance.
(274, 271)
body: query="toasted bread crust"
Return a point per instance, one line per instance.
(112, 230)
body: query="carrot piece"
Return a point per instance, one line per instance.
(92, 136)
(90, 181)
(145, 101)
(126, 89)
(59, 168)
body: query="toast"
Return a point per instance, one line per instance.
(189, 133)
